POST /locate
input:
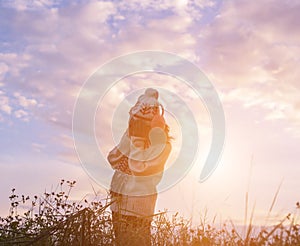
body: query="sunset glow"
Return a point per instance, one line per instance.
(248, 50)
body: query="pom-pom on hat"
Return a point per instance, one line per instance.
(150, 92)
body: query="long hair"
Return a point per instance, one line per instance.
(141, 128)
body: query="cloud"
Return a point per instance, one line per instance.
(25, 102)
(247, 43)
(180, 8)
(37, 147)
(12, 64)
(56, 54)
(4, 104)
(3, 70)
(21, 114)
(157, 34)
(60, 52)
(253, 57)
(5, 107)
(20, 5)
(21, 106)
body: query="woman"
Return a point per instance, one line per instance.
(138, 161)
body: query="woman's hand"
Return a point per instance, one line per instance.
(150, 166)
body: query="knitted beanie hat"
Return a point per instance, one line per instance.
(146, 105)
(144, 114)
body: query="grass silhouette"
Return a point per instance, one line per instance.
(55, 219)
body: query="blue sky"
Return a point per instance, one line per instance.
(249, 51)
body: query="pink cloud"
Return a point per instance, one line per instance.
(4, 104)
(253, 56)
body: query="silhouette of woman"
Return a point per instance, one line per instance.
(138, 161)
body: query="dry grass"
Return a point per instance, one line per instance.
(54, 219)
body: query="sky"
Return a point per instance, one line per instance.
(249, 51)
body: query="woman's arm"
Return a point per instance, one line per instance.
(150, 166)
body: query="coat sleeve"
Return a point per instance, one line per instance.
(149, 165)
(119, 151)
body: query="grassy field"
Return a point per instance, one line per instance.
(54, 219)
